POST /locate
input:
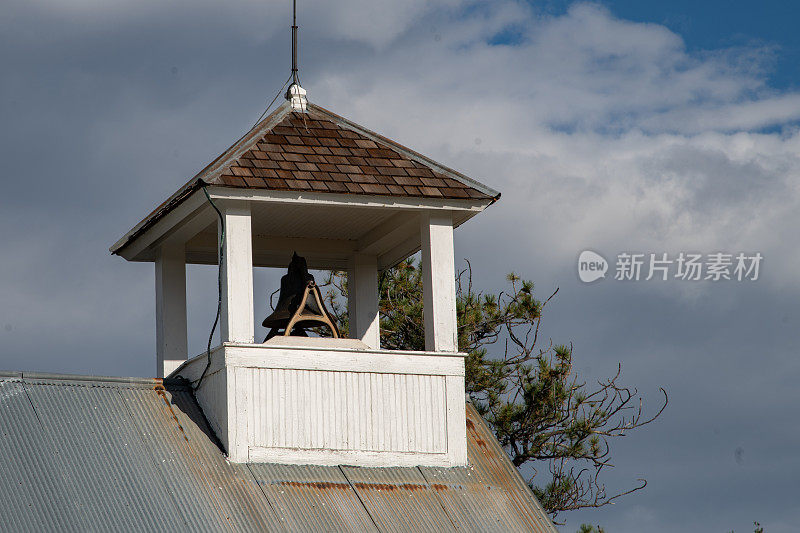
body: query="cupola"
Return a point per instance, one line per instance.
(305, 180)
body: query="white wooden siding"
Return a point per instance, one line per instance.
(347, 410)
(306, 405)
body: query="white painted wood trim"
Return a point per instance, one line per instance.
(236, 320)
(192, 368)
(403, 250)
(239, 407)
(389, 233)
(377, 362)
(456, 419)
(269, 259)
(348, 200)
(362, 299)
(349, 458)
(274, 251)
(171, 336)
(301, 245)
(330, 407)
(193, 205)
(438, 282)
(195, 214)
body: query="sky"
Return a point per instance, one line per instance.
(617, 127)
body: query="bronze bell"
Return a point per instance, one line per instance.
(300, 304)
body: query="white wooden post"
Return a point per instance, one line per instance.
(236, 320)
(438, 282)
(171, 344)
(362, 301)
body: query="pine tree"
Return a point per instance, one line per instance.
(542, 414)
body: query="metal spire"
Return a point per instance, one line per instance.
(294, 42)
(296, 94)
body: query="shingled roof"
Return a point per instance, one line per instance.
(323, 152)
(319, 152)
(81, 453)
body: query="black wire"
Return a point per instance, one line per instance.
(280, 91)
(219, 287)
(222, 243)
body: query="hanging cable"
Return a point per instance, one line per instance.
(280, 91)
(293, 76)
(219, 283)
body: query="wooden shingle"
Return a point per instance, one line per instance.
(315, 153)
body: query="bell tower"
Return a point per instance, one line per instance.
(344, 198)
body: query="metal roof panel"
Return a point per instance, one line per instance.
(399, 499)
(35, 495)
(90, 430)
(232, 489)
(84, 453)
(313, 498)
(491, 473)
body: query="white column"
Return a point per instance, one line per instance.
(236, 319)
(438, 282)
(362, 299)
(171, 347)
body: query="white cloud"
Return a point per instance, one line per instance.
(605, 132)
(376, 23)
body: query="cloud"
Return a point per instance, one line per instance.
(375, 23)
(607, 133)
(602, 134)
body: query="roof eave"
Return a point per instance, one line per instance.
(207, 173)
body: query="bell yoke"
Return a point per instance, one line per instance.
(295, 311)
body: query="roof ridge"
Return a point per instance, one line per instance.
(78, 379)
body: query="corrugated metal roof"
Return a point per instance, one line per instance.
(215, 494)
(90, 430)
(313, 498)
(399, 499)
(25, 459)
(489, 494)
(93, 454)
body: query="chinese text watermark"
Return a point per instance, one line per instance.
(683, 266)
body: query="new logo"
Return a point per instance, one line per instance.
(591, 266)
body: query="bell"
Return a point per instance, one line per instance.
(300, 303)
